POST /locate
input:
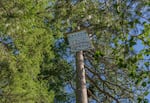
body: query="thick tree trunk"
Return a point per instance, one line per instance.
(81, 91)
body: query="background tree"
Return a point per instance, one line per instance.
(35, 61)
(23, 54)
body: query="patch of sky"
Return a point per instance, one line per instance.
(51, 3)
(1, 39)
(86, 24)
(67, 53)
(8, 41)
(139, 46)
(145, 14)
(16, 52)
(102, 1)
(137, 30)
(103, 77)
(69, 89)
(92, 101)
(73, 2)
(148, 96)
(69, 29)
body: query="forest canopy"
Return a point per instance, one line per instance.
(36, 64)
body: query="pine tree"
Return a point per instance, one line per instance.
(113, 66)
(21, 59)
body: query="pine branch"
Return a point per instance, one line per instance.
(100, 90)
(93, 96)
(106, 82)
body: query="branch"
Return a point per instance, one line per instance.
(71, 85)
(102, 91)
(93, 96)
(105, 82)
(89, 56)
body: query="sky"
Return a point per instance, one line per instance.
(137, 47)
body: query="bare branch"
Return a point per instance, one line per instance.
(102, 91)
(93, 96)
(106, 82)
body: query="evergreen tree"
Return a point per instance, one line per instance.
(21, 58)
(113, 67)
(34, 67)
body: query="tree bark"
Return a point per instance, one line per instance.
(81, 90)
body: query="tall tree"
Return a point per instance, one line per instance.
(25, 40)
(113, 67)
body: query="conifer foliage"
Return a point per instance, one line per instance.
(21, 58)
(35, 61)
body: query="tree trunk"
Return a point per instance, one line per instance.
(81, 91)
